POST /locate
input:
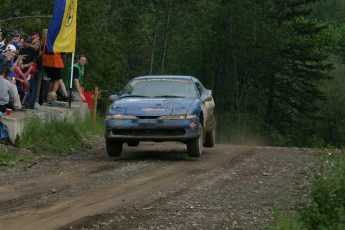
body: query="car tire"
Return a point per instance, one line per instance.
(210, 136)
(210, 139)
(133, 143)
(114, 148)
(194, 147)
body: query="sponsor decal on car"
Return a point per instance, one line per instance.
(152, 109)
(162, 79)
(145, 99)
(192, 125)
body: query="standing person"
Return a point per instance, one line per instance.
(36, 44)
(29, 65)
(53, 63)
(78, 76)
(21, 82)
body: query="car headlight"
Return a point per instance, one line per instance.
(172, 117)
(177, 117)
(191, 116)
(120, 116)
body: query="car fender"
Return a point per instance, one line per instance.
(195, 108)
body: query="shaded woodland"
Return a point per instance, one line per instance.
(276, 68)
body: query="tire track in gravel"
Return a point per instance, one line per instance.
(103, 196)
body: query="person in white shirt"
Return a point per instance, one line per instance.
(4, 90)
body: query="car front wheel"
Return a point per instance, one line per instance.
(210, 136)
(114, 148)
(133, 143)
(194, 147)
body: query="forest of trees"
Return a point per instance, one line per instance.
(275, 67)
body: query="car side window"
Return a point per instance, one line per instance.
(200, 87)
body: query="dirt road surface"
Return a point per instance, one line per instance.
(155, 186)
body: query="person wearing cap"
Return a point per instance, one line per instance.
(29, 65)
(35, 35)
(10, 51)
(12, 72)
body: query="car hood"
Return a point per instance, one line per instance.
(151, 106)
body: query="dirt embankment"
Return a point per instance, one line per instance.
(155, 186)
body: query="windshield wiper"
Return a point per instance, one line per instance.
(133, 95)
(169, 96)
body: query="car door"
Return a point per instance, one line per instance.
(207, 105)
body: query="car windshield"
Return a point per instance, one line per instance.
(160, 87)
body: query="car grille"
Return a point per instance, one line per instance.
(147, 117)
(150, 132)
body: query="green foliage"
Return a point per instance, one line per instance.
(58, 137)
(287, 221)
(25, 16)
(292, 78)
(330, 125)
(325, 206)
(8, 155)
(326, 210)
(330, 10)
(55, 137)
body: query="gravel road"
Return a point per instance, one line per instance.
(155, 186)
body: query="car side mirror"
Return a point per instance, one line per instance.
(113, 97)
(208, 96)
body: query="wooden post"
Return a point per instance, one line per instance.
(96, 96)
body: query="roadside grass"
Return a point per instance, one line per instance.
(52, 138)
(8, 155)
(325, 208)
(287, 221)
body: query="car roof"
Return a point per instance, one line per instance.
(165, 76)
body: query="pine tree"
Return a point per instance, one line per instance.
(298, 64)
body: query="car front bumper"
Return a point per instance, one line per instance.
(152, 129)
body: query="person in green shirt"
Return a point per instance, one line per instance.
(78, 75)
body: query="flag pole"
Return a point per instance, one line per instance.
(71, 81)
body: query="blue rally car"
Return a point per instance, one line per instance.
(161, 108)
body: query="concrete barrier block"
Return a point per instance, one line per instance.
(17, 120)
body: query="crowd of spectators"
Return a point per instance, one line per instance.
(23, 80)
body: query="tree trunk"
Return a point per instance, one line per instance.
(153, 46)
(269, 112)
(166, 36)
(154, 40)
